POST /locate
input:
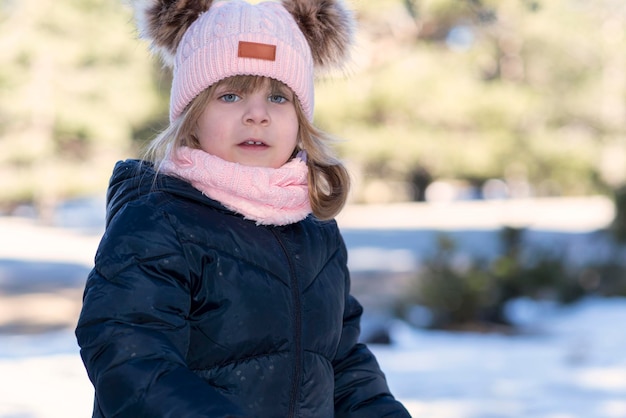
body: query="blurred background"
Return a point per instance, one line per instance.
(507, 98)
(487, 143)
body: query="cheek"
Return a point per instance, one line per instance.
(208, 137)
(209, 128)
(294, 128)
(294, 133)
(209, 121)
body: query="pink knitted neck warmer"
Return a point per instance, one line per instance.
(269, 196)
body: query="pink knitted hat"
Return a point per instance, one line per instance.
(207, 41)
(234, 38)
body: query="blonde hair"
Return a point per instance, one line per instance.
(329, 181)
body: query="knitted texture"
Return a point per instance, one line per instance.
(268, 196)
(210, 51)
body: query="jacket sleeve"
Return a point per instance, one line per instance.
(133, 329)
(360, 386)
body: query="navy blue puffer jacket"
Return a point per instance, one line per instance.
(193, 311)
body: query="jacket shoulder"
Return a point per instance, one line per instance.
(140, 232)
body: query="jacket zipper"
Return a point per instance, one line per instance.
(297, 329)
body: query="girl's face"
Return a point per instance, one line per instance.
(255, 125)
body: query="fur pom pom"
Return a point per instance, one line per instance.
(164, 22)
(328, 27)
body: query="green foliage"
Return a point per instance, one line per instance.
(452, 290)
(74, 84)
(463, 291)
(536, 88)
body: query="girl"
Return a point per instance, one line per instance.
(220, 286)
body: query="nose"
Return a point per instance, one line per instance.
(257, 110)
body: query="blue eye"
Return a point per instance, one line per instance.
(277, 98)
(229, 97)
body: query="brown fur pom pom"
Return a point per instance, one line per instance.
(164, 22)
(328, 27)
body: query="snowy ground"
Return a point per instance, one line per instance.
(573, 366)
(568, 363)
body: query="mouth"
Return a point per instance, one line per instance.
(252, 143)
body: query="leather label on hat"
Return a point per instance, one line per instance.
(256, 50)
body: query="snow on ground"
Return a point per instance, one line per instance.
(572, 365)
(570, 362)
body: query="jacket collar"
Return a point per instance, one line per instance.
(133, 179)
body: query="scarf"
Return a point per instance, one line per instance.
(268, 196)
